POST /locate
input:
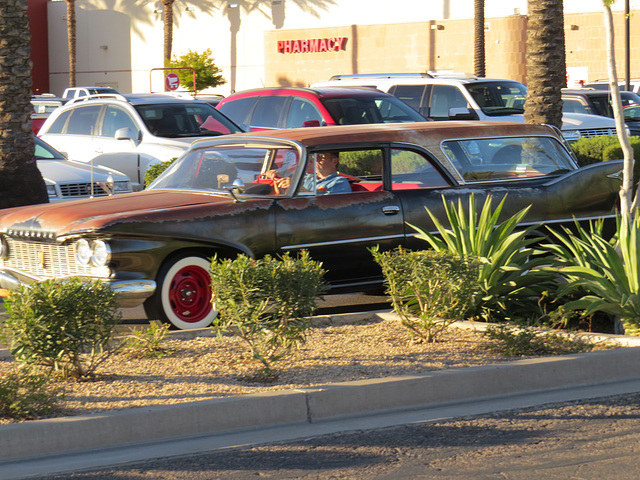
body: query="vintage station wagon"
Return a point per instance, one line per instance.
(220, 198)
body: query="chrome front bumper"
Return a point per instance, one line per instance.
(130, 293)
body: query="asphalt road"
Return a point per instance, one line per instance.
(589, 440)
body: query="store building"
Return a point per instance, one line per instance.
(283, 42)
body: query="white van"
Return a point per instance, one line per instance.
(462, 97)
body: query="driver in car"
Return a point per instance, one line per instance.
(327, 179)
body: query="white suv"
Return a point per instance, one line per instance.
(131, 132)
(469, 98)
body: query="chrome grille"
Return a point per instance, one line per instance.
(45, 260)
(595, 132)
(81, 190)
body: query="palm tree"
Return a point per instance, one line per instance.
(71, 40)
(546, 66)
(20, 179)
(167, 17)
(478, 39)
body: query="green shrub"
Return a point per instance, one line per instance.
(510, 277)
(155, 170)
(590, 150)
(147, 343)
(62, 325)
(614, 152)
(267, 303)
(515, 341)
(25, 394)
(429, 290)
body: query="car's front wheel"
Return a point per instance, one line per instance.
(183, 294)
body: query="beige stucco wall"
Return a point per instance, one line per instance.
(408, 47)
(120, 41)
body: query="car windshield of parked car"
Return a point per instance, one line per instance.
(217, 168)
(508, 157)
(173, 120)
(498, 98)
(358, 110)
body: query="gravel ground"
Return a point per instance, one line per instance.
(207, 367)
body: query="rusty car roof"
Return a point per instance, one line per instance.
(420, 133)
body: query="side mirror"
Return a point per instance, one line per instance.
(311, 123)
(125, 134)
(462, 113)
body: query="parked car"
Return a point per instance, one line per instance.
(254, 193)
(79, 92)
(634, 85)
(69, 180)
(43, 105)
(463, 97)
(292, 107)
(598, 102)
(131, 132)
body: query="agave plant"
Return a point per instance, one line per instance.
(608, 270)
(510, 273)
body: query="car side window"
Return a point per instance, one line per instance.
(412, 171)
(363, 169)
(83, 120)
(58, 125)
(300, 111)
(444, 97)
(239, 110)
(573, 106)
(411, 95)
(268, 112)
(115, 119)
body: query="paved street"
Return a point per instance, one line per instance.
(578, 440)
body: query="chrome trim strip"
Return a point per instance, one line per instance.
(340, 242)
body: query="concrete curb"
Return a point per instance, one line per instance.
(315, 405)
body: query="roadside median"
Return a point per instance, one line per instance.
(319, 404)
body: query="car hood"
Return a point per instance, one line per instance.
(123, 213)
(65, 171)
(585, 120)
(570, 121)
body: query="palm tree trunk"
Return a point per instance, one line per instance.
(71, 40)
(167, 17)
(478, 39)
(20, 180)
(546, 66)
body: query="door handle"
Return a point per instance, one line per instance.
(391, 210)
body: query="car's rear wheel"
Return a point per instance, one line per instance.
(183, 294)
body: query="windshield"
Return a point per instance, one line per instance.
(217, 168)
(382, 109)
(173, 120)
(498, 98)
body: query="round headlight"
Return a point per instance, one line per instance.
(83, 252)
(101, 253)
